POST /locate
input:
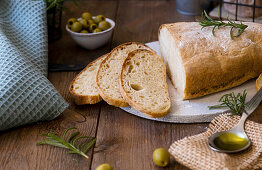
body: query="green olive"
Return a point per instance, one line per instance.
(84, 31)
(99, 18)
(86, 15)
(70, 22)
(97, 30)
(104, 167)
(90, 21)
(103, 25)
(92, 27)
(161, 157)
(84, 23)
(76, 27)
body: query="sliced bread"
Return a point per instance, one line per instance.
(143, 83)
(83, 88)
(108, 74)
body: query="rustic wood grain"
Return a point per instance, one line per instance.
(18, 146)
(123, 140)
(139, 20)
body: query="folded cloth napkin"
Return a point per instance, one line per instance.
(194, 152)
(26, 95)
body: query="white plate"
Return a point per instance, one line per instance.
(194, 110)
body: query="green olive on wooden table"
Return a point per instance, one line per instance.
(84, 23)
(86, 15)
(103, 25)
(76, 27)
(104, 167)
(161, 157)
(70, 22)
(99, 18)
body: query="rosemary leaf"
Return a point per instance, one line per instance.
(53, 143)
(89, 145)
(79, 137)
(67, 130)
(206, 21)
(71, 152)
(81, 145)
(236, 103)
(73, 135)
(54, 140)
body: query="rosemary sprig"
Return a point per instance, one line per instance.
(206, 21)
(69, 142)
(236, 103)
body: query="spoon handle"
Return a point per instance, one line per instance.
(240, 126)
(251, 106)
(254, 102)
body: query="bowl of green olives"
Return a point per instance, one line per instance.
(89, 31)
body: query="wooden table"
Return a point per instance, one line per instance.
(123, 140)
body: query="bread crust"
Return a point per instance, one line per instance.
(85, 99)
(108, 99)
(259, 82)
(126, 95)
(215, 63)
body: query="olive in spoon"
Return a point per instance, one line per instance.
(235, 140)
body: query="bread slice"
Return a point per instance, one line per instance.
(143, 83)
(83, 88)
(259, 82)
(108, 74)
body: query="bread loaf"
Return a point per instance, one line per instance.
(259, 82)
(143, 83)
(200, 63)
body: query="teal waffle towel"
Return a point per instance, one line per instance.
(26, 95)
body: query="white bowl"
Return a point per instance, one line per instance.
(92, 41)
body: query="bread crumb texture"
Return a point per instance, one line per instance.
(143, 81)
(109, 73)
(85, 83)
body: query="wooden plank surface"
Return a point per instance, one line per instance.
(18, 146)
(123, 140)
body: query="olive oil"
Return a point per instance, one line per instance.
(230, 141)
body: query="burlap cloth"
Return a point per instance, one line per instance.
(194, 152)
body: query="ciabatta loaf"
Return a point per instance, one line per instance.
(108, 74)
(200, 63)
(143, 83)
(259, 82)
(83, 88)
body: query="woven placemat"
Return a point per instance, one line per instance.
(194, 152)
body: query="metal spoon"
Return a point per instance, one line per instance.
(239, 128)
